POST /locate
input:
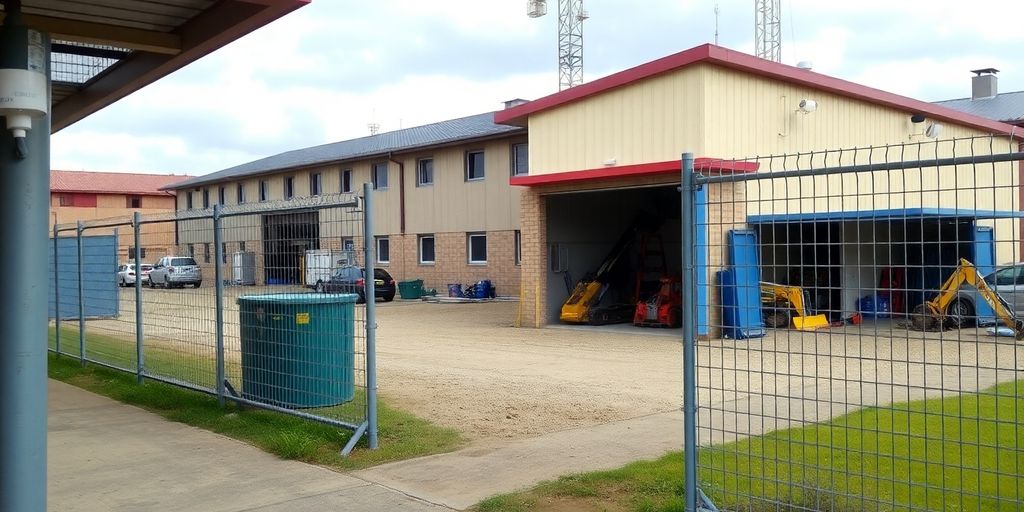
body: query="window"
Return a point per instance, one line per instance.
(206, 198)
(188, 200)
(380, 176)
(424, 172)
(289, 187)
(131, 253)
(206, 253)
(77, 200)
(1009, 276)
(221, 199)
(316, 184)
(348, 244)
(520, 159)
(474, 165)
(383, 249)
(241, 246)
(518, 247)
(240, 194)
(223, 252)
(346, 181)
(192, 250)
(134, 202)
(263, 190)
(426, 249)
(476, 244)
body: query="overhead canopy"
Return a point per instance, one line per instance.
(104, 50)
(896, 214)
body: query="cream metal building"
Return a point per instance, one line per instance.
(603, 151)
(444, 210)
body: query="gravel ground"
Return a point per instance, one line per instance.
(464, 366)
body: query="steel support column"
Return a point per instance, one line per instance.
(24, 215)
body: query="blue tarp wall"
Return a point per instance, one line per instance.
(99, 279)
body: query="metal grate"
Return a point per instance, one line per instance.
(77, 63)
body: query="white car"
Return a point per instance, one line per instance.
(126, 274)
(176, 272)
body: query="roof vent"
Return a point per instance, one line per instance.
(984, 83)
(805, 64)
(515, 103)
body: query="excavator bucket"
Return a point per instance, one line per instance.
(810, 322)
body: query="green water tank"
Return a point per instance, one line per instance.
(298, 349)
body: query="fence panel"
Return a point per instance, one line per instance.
(863, 325)
(295, 309)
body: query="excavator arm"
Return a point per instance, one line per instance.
(931, 314)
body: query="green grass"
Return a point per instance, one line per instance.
(401, 435)
(957, 454)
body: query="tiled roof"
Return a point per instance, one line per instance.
(1007, 107)
(436, 134)
(113, 182)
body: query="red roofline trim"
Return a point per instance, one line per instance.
(711, 54)
(703, 165)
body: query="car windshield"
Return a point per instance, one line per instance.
(182, 261)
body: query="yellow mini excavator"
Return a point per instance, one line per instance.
(784, 305)
(933, 315)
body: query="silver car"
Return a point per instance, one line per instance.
(176, 272)
(1007, 281)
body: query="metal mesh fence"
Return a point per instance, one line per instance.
(857, 315)
(262, 304)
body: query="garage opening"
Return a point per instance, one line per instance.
(629, 237)
(836, 262)
(286, 238)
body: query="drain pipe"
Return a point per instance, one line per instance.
(401, 192)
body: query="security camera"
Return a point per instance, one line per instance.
(808, 106)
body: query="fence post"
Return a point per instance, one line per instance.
(689, 294)
(371, 318)
(81, 297)
(139, 356)
(56, 291)
(218, 251)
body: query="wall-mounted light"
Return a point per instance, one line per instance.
(933, 131)
(808, 106)
(917, 118)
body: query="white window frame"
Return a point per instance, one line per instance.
(465, 163)
(374, 178)
(346, 184)
(469, 248)
(515, 159)
(377, 242)
(222, 195)
(419, 249)
(240, 193)
(419, 172)
(316, 184)
(289, 187)
(264, 190)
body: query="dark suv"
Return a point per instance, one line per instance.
(351, 279)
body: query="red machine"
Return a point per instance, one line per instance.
(663, 309)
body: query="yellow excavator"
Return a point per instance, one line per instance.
(933, 315)
(785, 305)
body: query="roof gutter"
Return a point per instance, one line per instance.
(401, 191)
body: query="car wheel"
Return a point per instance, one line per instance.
(167, 283)
(319, 287)
(152, 284)
(389, 297)
(120, 283)
(959, 313)
(197, 284)
(361, 299)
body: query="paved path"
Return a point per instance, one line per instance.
(463, 478)
(104, 455)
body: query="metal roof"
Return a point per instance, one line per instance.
(480, 126)
(1007, 107)
(104, 50)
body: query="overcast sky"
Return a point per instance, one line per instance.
(322, 73)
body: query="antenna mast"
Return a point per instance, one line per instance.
(768, 29)
(571, 16)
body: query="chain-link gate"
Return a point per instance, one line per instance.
(267, 304)
(853, 340)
